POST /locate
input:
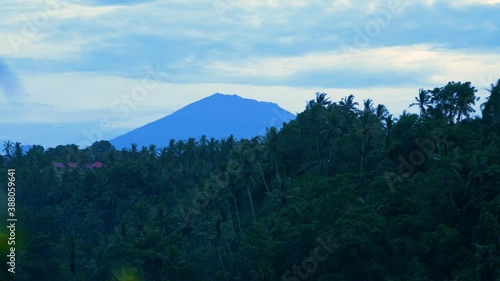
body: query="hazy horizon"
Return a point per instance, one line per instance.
(66, 66)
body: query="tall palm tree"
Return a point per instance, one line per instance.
(133, 149)
(7, 147)
(348, 104)
(368, 106)
(466, 99)
(491, 108)
(154, 152)
(477, 165)
(243, 169)
(222, 264)
(270, 143)
(389, 122)
(449, 168)
(381, 112)
(423, 101)
(254, 149)
(18, 150)
(190, 151)
(230, 184)
(370, 124)
(331, 128)
(320, 101)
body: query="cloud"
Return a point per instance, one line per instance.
(138, 32)
(76, 58)
(360, 68)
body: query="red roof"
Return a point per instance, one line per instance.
(75, 165)
(58, 164)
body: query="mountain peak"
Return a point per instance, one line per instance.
(216, 116)
(222, 95)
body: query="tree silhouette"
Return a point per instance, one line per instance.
(8, 147)
(173, 213)
(491, 108)
(423, 101)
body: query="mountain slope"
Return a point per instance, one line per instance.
(216, 116)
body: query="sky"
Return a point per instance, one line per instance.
(84, 70)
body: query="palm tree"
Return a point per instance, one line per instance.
(264, 272)
(348, 104)
(184, 212)
(222, 264)
(448, 168)
(243, 169)
(7, 147)
(422, 101)
(253, 149)
(213, 148)
(170, 175)
(381, 112)
(320, 101)
(173, 258)
(331, 129)
(69, 241)
(284, 192)
(18, 150)
(190, 151)
(233, 190)
(477, 165)
(389, 122)
(140, 217)
(491, 108)
(370, 124)
(368, 106)
(465, 100)
(161, 217)
(134, 149)
(154, 152)
(270, 143)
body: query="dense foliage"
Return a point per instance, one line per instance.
(343, 192)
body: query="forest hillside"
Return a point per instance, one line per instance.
(346, 191)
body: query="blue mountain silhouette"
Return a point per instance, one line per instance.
(217, 116)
